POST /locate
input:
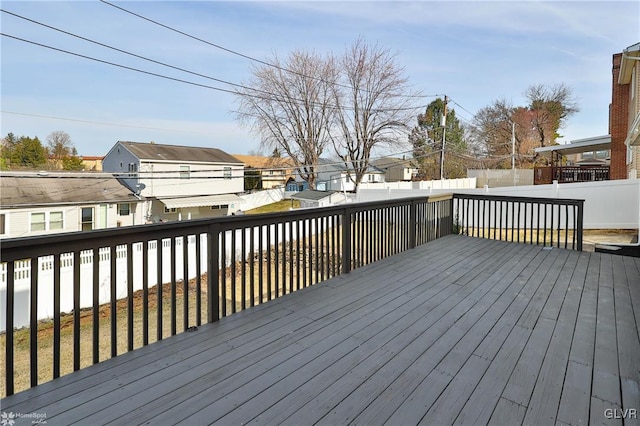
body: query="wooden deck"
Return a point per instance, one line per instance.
(459, 331)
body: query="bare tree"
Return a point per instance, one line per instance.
(373, 105)
(60, 145)
(496, 125)
(290, 105)
(551, 106)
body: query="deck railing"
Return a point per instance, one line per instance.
(99, 290)
(548, 222)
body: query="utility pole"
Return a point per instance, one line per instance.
(444, 132)
(513, 145)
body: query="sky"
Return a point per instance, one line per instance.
(475, 52)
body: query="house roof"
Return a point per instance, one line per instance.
(598, 143)
(262, 162)
(311, 195)
(386, 162)
(36, 189)
(160, 152)
(327, 165)
(629, 60)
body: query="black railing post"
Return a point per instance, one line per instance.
(213, 273)
(346, 240)
(580, 225)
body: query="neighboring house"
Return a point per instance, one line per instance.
(396, 169)
(296, 184)
(179, 182)
(312, 199)
(581, 160)
(48, 203)
(334, 175)
(92, 163)
(624, 114)
(273, 172)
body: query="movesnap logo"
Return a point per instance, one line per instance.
(619, 413)
(10, 418)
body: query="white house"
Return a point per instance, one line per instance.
(47, 203)
(336, 176)
(179, 182)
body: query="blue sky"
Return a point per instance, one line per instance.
(472, 51)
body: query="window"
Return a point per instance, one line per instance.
(3, 229)
(38, 222)
(223, 206)
(43, 221)
(133, 167)
(170, 210)
(87, 218)
(56, 220)
(185, 172)
(124, 209)
(227, 172)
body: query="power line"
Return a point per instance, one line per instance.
(96, 122)
(234, 52)
(134, 54)
(268, 96)
(120, 65)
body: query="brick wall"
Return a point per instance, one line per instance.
(618, 122)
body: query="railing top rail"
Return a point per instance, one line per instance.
(561, 201)
(33, 246)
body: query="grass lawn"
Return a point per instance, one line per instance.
(280, 206)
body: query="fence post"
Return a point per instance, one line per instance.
(213, 273)
(346, 240)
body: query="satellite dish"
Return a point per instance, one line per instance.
(140, 186)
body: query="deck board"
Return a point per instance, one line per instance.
(460, 330)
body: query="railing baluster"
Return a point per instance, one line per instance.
(243, 268)
(173, 260)
(290, 256)
(113, 300)
(95, 263)
(56, 316)
(232, 259)
(276, 261)
(198, 252)
(214, 266)
(185, 282)
(159, 288)
(269, 280)
(223, 275)
(129, 247)
(9, 324)
(252, 257)
(33, 320)
(261, 262)
(145, 293)
(76, 310)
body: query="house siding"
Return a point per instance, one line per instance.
(18, 221)
(163, 179)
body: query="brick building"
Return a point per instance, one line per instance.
(624, 113)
